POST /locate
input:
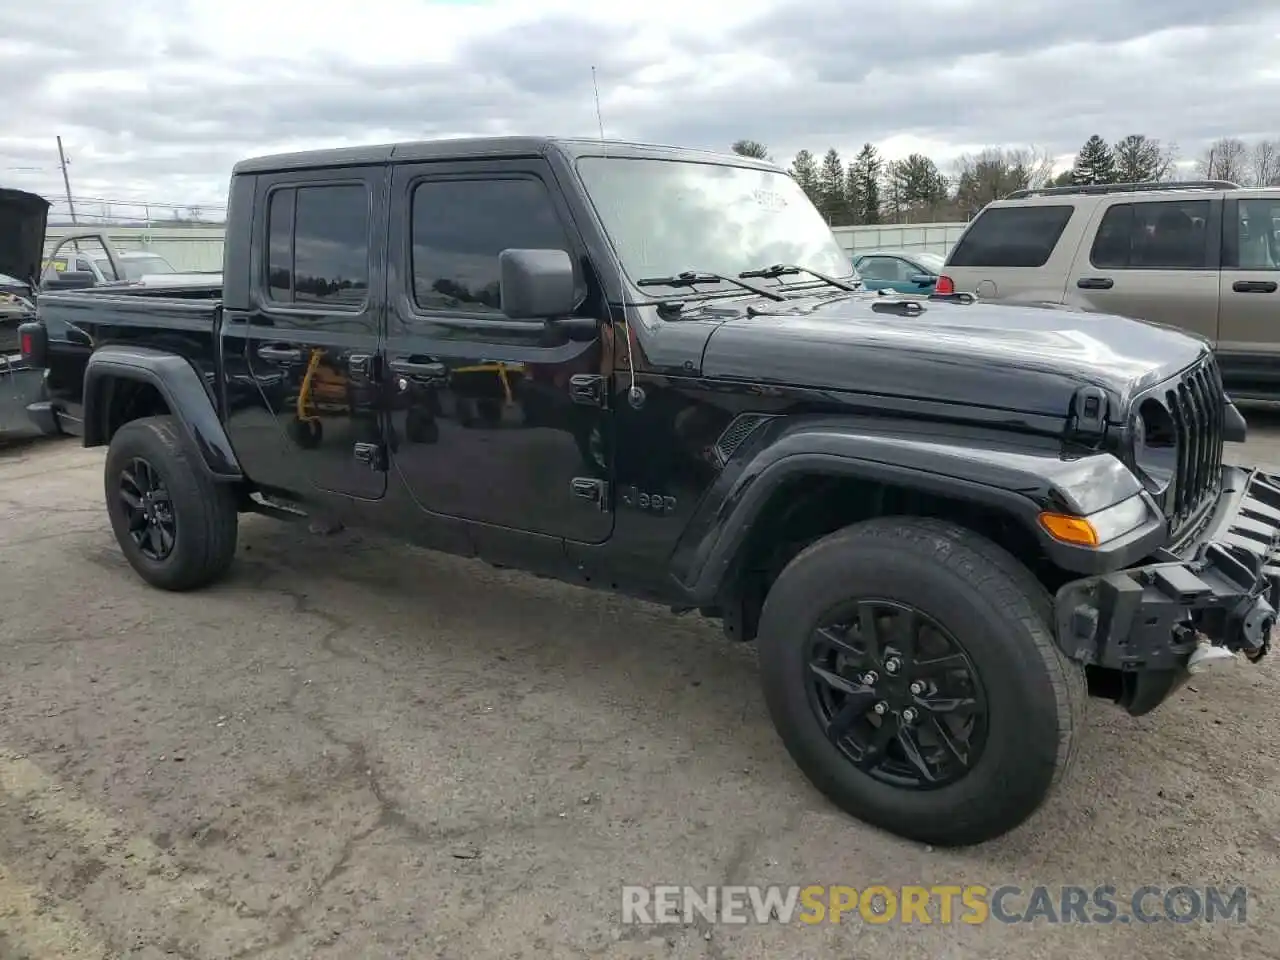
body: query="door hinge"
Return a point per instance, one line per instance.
(588, 389)
(589, 488)
(360, 365)
(371, 454)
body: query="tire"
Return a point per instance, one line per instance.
(307, 434)
(204, 513)
(994, 610)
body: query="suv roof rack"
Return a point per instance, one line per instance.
(1124, 188)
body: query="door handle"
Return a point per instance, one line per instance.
(281, 354)
(1095, 283)
(417, 368)
(1254, 286)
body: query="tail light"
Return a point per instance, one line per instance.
(945, 286)
(33, 341)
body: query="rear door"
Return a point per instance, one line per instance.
(1152, 260)
(313, 328)
(1249, 285)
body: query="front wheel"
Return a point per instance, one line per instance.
(910, 670)
(174, 524)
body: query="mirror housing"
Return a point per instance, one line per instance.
(923, 279)
(536, 284)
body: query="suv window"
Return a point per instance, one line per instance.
(318, 244)
(1258, 228)
(1012, 236)
(459, 227)
(1153, 235)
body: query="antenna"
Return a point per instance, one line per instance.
(635, 396)
(595, 88)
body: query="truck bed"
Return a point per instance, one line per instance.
(181, 320)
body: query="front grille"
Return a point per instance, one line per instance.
(1194, 403)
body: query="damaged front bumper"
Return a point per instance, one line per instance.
(1220, 591)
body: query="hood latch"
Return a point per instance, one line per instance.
(1088, 412)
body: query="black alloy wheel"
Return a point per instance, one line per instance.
(897, 694)
(148, 508)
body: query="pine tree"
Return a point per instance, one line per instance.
(805, 170)
(833, 203)
(1139, 159)
(864, 176)
(917, 184)
(1095, 163)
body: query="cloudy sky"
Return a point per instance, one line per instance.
(155, 99)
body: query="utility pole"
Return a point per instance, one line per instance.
(66, 181)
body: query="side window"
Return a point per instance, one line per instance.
(878, 268)
(318, 245)
(1258, 230)
(1012, 236)
(459, 227)
(1156, 235)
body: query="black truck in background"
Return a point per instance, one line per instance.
(652, 370)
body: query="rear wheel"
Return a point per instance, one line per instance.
(909, 668)
(174, 524)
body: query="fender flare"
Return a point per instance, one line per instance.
(1017, 480)
(184, 392)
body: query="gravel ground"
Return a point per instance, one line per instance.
(353, 749)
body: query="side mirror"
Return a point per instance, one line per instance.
(536, 284)
(923, 279)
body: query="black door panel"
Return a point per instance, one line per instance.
(312, 329)
(483, 421)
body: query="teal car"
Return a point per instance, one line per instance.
(899, 270)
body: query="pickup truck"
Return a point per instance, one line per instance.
(90, 259)
(944, 523)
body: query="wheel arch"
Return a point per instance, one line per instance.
(124, 383)
(794, 483)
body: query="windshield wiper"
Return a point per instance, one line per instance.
(691, 278)
(790, 269)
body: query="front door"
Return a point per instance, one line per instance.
(1152, 260)
(490, 421)
(1249, 347)
(311, 335)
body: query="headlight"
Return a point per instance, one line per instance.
(1097, 528)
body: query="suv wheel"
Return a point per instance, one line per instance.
(910, 670)
(174, 524)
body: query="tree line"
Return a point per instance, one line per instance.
(870, 189)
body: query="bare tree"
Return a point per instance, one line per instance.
(1266, 163)
(996, 172)
(1225, 159)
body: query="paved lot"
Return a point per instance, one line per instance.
(356, 750)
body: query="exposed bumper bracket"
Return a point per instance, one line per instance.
(1225, 587)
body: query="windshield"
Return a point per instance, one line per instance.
(931, 262)
(668, 216)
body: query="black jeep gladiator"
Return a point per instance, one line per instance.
(653, 370)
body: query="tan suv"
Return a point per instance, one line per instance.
(1200, 255)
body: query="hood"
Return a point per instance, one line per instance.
(1017, 357)
(23, 218)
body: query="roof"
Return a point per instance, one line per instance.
(469, 148)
